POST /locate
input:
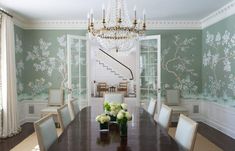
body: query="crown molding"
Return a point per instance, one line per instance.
(218, 15)
(82, 24)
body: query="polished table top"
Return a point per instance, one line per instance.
(144, 134)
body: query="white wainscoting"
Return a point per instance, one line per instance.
(220, 117)
(33, 105)
(215, 115)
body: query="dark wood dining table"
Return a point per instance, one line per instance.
(144, 134)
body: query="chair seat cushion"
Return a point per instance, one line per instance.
(52, 110)
(178, 109)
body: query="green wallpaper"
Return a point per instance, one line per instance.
(218, 66)
(41, 63)
(181, 60)
(41, 60)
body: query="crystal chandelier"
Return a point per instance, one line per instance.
(117, 31)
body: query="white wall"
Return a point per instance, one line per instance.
(101, 74)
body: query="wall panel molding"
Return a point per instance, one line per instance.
(213, 114)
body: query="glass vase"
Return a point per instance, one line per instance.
(104, 127)
(123, 129)
(113, 119)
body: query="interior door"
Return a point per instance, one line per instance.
(77, 68)
(150, 69)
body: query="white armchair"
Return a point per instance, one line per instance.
(173, 101)
(152, 107)
(55, 101)
(114, 97)
(164, 117)
(46, 132)
(186, 132)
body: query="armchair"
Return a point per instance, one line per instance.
(55, 101)
(102, 87)
(123, 87)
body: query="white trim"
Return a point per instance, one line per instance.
(218, 15)
(213, 114)
(82, 24)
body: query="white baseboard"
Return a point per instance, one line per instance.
(221, 128)
(29, 120)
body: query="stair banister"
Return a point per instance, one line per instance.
(132, 77)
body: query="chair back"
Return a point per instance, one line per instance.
(74, 108)
(114, 97)
(173, 97)
(186, 132)
(164, 117)
(46, 132)
(56, 97)
(151, 107)
(64, 116)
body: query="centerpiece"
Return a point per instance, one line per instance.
(103, 119)
(112, 110)
(122, 118)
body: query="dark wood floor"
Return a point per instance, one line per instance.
(223, 141)
(9, 143)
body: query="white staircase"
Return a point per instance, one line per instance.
(111, 70)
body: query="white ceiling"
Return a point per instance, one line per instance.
(77, 9)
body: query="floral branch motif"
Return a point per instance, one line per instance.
(41, 55)
(219, 51)
(38, 86)
(181, 70)
(19, 64)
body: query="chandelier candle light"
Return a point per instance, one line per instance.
(117, 31)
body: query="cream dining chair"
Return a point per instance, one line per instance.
(151, 107)
(164, 117)
(114, 97)
(173, 101)
(55, 100)
(186, 132)
(74, 108)
(64, 116)
(46, 132)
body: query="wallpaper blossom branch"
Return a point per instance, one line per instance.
(219, 62)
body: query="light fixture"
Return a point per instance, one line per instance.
(117, 31)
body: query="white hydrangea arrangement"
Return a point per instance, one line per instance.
(123, 117)
(103, 118)
(113, 108)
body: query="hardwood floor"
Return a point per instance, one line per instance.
(9, 143)
(223, 141)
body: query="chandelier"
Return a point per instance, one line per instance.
(117, 31)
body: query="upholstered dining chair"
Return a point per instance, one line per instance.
(173, 101)
(55, 100)
(114, 97)
(64, 116)
(151, 107)
(164, 117)
(186, 132)
(74, 108)
(46, 132)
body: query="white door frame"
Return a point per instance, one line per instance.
(69, 37)
(158, 38)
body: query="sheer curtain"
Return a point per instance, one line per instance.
(10, 124)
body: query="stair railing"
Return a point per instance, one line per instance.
(132, 77)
